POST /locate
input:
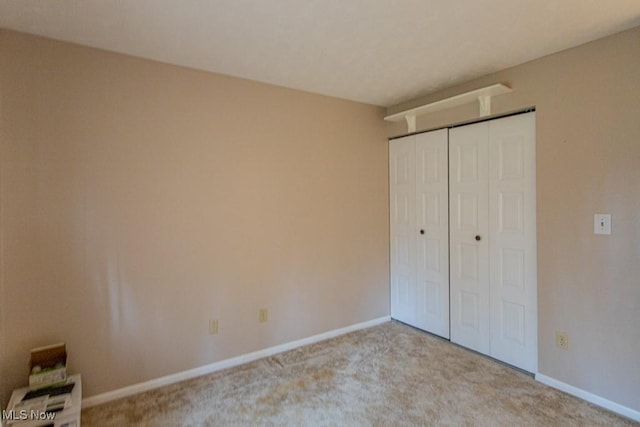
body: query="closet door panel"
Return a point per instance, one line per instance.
(513, 240)
(469, 255)
(432, 232)
(402, 229)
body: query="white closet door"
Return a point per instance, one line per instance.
(469, 226)
(493, 239)
(402, 229)
(432, 232)
(512, 227)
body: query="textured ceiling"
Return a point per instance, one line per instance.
(380, 52)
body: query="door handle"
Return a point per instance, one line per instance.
(421, 231)
(478, 238)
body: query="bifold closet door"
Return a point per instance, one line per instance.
(493, 239)
(402, 229)
(469, 236)
(419, 231)
(432, 222)
(512, 227)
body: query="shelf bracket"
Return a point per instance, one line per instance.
(411, 122)
(485, 105)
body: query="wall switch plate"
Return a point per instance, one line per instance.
(213, 327)
(602, 224)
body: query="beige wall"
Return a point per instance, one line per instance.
(140, 200)
(587, 103)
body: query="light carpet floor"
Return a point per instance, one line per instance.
(388, 375)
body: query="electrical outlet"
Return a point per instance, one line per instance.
(213, 327)
(562, 340)
(263, 316)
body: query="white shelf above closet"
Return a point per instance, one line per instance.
(482, 95)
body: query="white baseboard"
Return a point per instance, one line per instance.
(224, 364)
(589, 397)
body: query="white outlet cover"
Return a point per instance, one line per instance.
(602, 224)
